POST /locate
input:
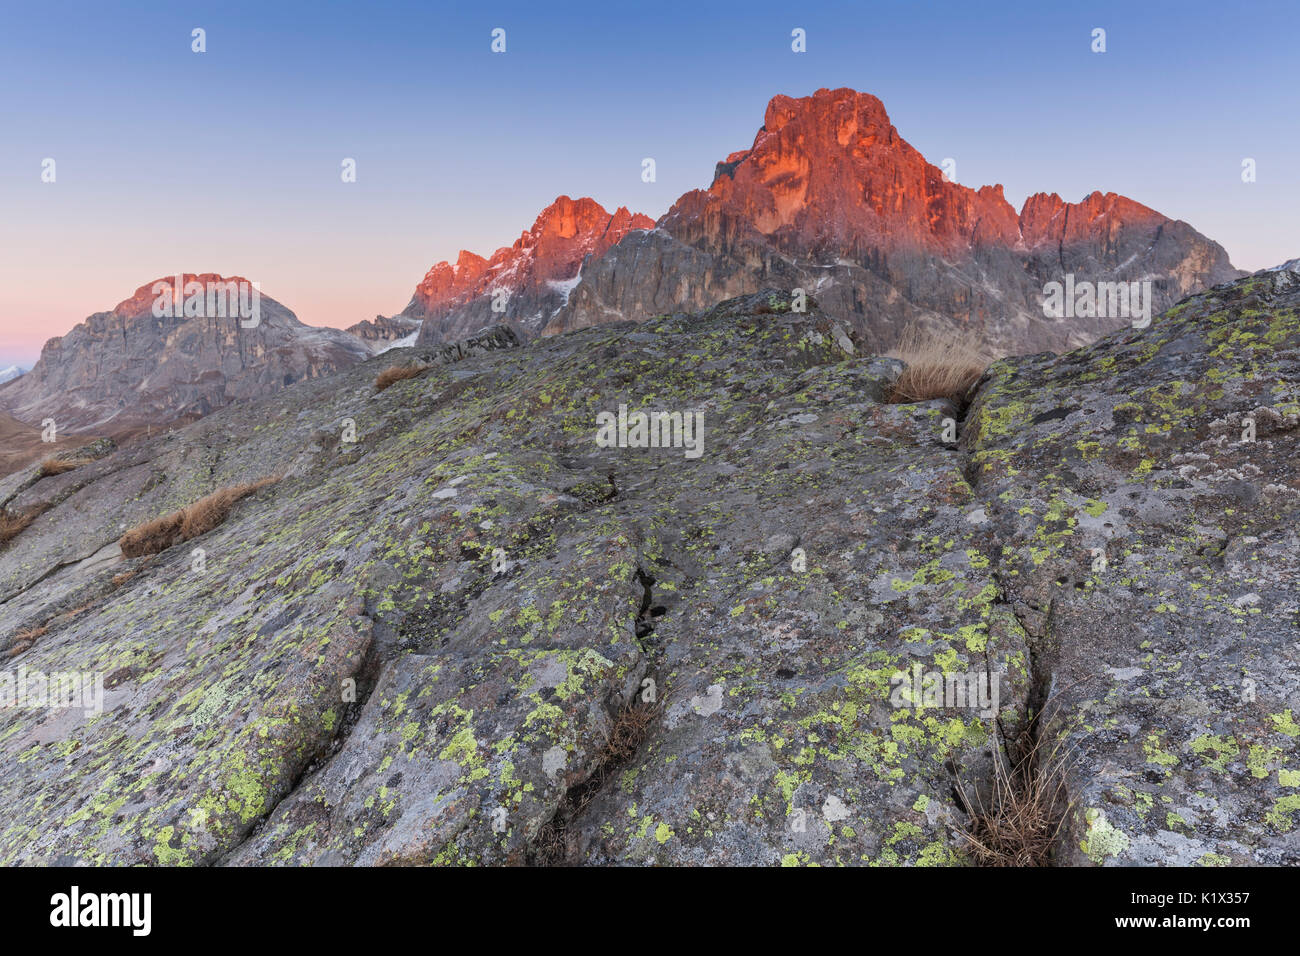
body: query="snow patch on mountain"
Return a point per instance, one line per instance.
(405, 342)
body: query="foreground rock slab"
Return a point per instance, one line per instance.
(415, 646)
(1145, 492)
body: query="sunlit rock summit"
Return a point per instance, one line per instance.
(831, 199)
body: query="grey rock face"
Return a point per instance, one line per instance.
(383, 331)
(996, 292)
(414, 647)
(1146, 494)
(125, 370)
(527, 311)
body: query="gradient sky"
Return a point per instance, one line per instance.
(228, 161)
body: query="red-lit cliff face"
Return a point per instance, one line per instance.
(831, 199)
(1046, 217)
(829, 172)
(535, 270)
(141, 302)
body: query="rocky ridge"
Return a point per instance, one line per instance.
(381, 333)
(831, 199)
(534, 275)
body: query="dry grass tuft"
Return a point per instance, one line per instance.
(1026, 810)
(58, 466)
(13, 524)
(25, 639)
(190, 522)
(938, 366)
(397, 373)
(69, 615)
(628, 733)
(207, 513)
(152, 536)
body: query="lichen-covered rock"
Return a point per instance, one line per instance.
(415, 647)
(1145, 494)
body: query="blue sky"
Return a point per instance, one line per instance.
(229, 160)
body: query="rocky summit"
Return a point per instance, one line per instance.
(166, 355)
(384, 333)
(501, 611)
(526, 283)
(831, 199)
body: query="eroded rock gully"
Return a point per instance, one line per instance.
(1102, 538)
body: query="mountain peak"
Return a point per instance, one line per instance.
(174, 358)
(829, 198)
(848, 108)
(552, 251)
(1046, 217)
(141, 302)
(830, 171)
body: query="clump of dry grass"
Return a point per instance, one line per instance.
(189, 522)
(937, 366)
(82, 609)
(1026, 809)
(626, 735)
(208, 512)
(12, 524)
(58, 466)
(396, 373)
(152, 536)
(25, 639)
